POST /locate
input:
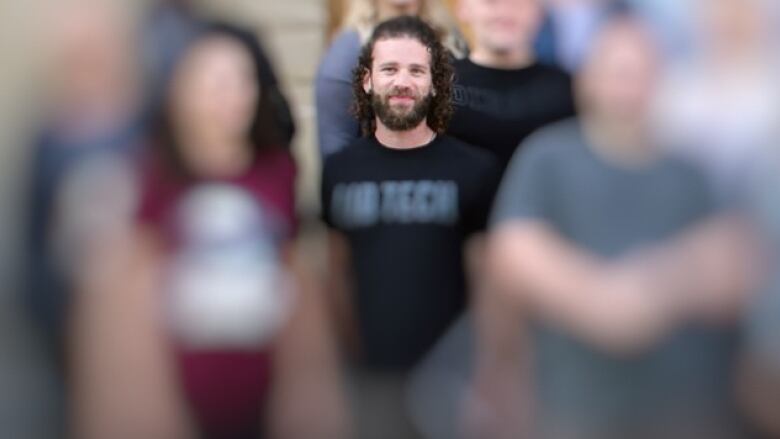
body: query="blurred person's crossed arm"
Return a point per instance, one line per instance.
(629, 303)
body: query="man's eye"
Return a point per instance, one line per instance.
(388, 69)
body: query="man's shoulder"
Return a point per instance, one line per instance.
(341, 55)
(549, 78)
(557, 144)
(467, 152)
(356, 150)
(462, 63)
(555, 141)
(552, 71)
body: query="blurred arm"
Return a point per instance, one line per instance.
(122, 373)
(499, 401)
(307, 373)
(629, 303)
(340, 283)
(497, 320)
(336, 126)
(716, 265)
(758, 392)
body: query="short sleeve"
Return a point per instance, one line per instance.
(153, 193)
(524, 192)
(487, 185)
(282, 166)
(326, 191)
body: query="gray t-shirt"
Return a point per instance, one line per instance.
(678, 388)
(336, 126)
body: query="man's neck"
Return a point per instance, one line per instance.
(509, 60)
(418, 136)
(624, 143)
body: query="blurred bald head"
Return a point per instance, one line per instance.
(90, 47)
(618, 79)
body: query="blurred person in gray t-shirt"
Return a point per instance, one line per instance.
(628, 277)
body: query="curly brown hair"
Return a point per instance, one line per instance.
(440, 109)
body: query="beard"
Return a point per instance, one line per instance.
(400, 120)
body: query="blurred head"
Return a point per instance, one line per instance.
(364, 15)
(89, 46)
(387, 9)
(734, 25)
(619, 75)
(214, 102)
(403, 78)
(501, 26)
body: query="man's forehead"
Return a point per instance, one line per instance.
(402, 49)
(623, 36)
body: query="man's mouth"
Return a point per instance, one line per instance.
(401, 98)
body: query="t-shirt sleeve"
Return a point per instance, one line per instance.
(286, 177)
(485, 192)
(524, 192)
(326, 192)
(152, 193)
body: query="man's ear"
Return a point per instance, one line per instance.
(367, 86)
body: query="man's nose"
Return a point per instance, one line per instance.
(403, 79)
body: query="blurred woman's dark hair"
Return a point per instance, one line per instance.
(272, 125)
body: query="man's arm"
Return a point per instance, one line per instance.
(121, 369)
(758, 392)
(339, 283)
(498, 404)
(626, 304)
(307, 369)
(570, 288)
(336, 126)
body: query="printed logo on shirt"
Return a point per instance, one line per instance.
(365, 204)
(499, 104)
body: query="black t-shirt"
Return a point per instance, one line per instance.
(405, 214)
(496, 108)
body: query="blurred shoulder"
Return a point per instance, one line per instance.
(341, 56)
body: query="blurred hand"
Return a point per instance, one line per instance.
(317, 417)
(722, 260)
(626, 313)
(494, 406)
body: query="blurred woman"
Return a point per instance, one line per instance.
(199, 322)
(336, 126)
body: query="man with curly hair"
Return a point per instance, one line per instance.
(401, 202)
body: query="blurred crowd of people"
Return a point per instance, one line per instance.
(539, 219)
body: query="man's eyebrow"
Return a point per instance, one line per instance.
(396, 63)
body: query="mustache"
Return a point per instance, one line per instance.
(401, 93)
